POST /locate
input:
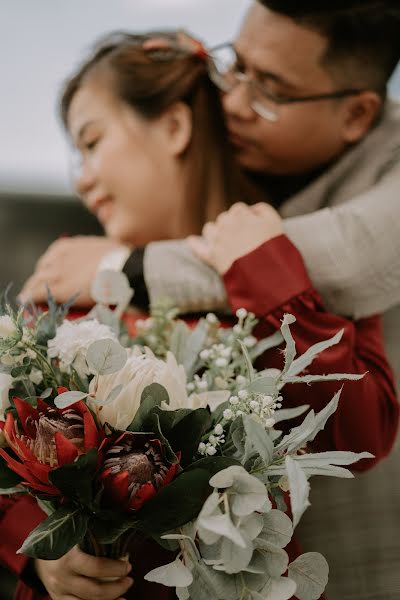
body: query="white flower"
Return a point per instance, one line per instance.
(241, 313)
(5, 385)
(7, 327)
(228, 414)
(211, 450)
(250, 341)
(140, 370)
(242, 394)
(211, 318)
(218, 429)
(72, 340)
(221, 362)
(36, 376)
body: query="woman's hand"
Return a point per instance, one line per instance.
(77, 575)
(235, 233)
(68, 267)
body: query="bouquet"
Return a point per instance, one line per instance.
(172, 435)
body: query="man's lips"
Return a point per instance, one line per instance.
(238, 140)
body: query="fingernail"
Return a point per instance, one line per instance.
(129, 580)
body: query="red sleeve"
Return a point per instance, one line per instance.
(19, 515)
(271, 281)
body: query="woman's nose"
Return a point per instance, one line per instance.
(84, 179)
(236, 102)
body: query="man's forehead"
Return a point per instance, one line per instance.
(270, 40)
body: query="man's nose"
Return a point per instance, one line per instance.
(236, 103)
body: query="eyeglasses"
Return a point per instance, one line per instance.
(226, 72)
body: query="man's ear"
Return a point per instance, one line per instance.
(177, 128)
(361, 113)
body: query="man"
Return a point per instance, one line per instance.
(306, 109)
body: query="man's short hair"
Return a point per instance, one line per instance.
(363, 36)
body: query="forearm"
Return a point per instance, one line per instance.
(171, 270)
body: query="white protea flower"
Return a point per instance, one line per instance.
(7, 327)
(72, 340)
(140, 370)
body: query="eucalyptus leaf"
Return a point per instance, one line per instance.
(278, 528)
(247, 493)
(235, 559)
(209, 584)
(69, 398)
(299, 489)
(46, 393)
(276, 559)
(174, 574)
(221, 525)
(310, 572)
(281, 588)
(106, 356)
(251, 526)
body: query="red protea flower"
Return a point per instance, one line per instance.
(50, 438)
(134, 470)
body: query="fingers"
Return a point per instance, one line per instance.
(87, 588)
(97, 566)
(200, 248)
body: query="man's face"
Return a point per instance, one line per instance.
(286, 59)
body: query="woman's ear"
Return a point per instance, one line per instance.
(177, 127)
(361, 113)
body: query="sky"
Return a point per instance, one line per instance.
(42, 41)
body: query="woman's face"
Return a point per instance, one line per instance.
(129, 176)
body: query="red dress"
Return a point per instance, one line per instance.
(271, 281)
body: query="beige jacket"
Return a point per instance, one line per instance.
(346, 225)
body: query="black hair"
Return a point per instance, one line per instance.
(363, 36)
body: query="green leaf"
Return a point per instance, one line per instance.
(278, 528)
(264, 385)
(302, 362)
(299, 489)
(186, 435)
(8, 479)
(178, 341)
(267, 343)
(153, 395)
(310, 572)
(75, 480)
(290, 349)
(55, 536)
(259, 438)
(249, 364)
(176, 504)
(213, 464)
(281, 588)
(194, 344)
(105, 357)
(174, 574)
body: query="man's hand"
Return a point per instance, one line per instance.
(235, 233)
(77, 575)
(68, 267)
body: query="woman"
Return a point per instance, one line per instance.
(148, 127)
